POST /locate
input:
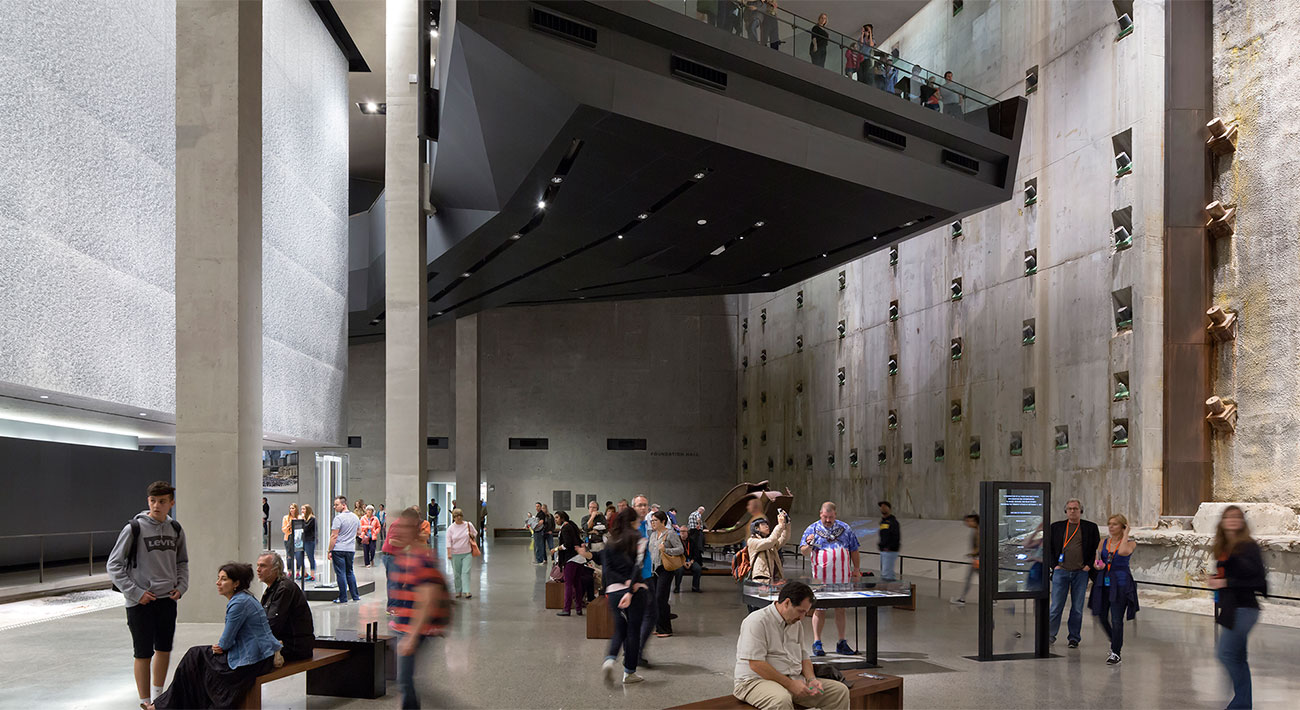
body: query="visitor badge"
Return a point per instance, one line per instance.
(1060, 559)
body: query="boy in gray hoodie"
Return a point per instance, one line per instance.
(150, 566)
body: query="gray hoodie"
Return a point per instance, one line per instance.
(161, 561)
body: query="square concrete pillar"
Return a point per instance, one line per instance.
(468, 440)
(218, 290)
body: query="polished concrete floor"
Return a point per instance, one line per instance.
(505, 651)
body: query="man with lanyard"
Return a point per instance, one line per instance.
(1070, 545)
(833, 548)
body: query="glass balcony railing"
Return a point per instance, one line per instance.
(766, 23)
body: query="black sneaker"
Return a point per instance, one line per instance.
(1113, 659)
(1074, 644)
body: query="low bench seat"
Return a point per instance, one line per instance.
(868, 690)
(319, 657)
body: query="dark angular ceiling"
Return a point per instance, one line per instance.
(658, 187)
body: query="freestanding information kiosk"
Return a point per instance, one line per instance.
(1014, 524)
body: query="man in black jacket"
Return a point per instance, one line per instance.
(891, 538)
(1071, 546)
(286, 609)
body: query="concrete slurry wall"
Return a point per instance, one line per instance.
(661, 370)
(1091, 88)
(1257, 272)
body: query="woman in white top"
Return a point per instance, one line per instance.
(460, 548)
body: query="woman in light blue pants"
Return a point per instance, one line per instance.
(461, 545)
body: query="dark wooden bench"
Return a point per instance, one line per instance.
(319, 657)
(868, 690)
(512, 532)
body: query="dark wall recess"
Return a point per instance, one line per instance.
(625, 444)
(529, 444)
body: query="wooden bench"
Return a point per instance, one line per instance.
(319, 657)
(868, 690)
(600, 622)
(512, 532)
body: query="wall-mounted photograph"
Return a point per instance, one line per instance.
(279, 471)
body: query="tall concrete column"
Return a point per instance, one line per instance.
(406, 304)
(218, 290)
(468, 441)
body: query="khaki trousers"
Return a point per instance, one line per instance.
(770, 695)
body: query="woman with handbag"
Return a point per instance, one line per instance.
(667, 555)
(461, 548)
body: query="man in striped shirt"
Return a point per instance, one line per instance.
(832, 546)
(417, 598)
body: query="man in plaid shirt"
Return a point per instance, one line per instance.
(417, 599)
(695, 546)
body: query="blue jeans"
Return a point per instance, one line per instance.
(406, 672)
(1231, 651)
(344, 576)
(309, 553)
(888, 565)
(1074, 583)
(539, 547)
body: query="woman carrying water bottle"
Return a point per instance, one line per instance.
(1114, 593)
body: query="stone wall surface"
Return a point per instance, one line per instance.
(1256, 273)
(1092, 87)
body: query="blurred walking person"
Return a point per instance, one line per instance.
(1239, 577)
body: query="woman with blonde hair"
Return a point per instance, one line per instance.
(286, 526)
(461, 548)
(1239, 577)
(309, 540)
(1114, 593)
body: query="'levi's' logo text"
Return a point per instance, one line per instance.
(160, 543)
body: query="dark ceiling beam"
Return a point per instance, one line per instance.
(330, 17)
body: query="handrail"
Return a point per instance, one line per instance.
(40, 560)
(777, 27)
(1139, 581)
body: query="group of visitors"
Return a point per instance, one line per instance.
(149, 565)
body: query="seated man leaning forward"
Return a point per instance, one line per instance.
(773, 671)
(286, 609)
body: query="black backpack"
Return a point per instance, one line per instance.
(135, 542)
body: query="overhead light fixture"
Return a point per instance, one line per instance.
(293, 441)
(465, 275)
(701, 222)
(144, 414)
(875, 237)
(372, 108)
(715, 252)
(759, 224)
(438, 313)
(699, 176)
(643, 215)
(557, 180)
(767, 274)
(433, 34)
(515, 237)
(541, 204)
(823, 255)
(45, 396)
(374, 322)
(620, 236)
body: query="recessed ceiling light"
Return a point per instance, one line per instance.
(643, 215)
(823, 255)
(293, 441)
(718, 251)
(433, 34)
(699, 176)
(541, 204)
(465, 275)
(45, 396)
(515, 236)
(557, 179)
(620, 236)
(874, 238)
(759, 223)
(767, 274)
(144, 414)
(701, 222)
(372, 108)
(438, 313)
(374, 322)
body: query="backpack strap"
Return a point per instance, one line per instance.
(135, 542)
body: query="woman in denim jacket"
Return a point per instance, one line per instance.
(218, 676)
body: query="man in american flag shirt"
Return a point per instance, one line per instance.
(832, 546)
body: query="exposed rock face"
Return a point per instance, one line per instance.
(1263, 518)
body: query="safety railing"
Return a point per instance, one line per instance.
(783, 31)
(941, 562)
(40, 563)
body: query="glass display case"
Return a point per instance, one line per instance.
(861, 592)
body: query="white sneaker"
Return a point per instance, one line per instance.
(629, 678)
(607, 669)
(1113, 659)
(958, 601)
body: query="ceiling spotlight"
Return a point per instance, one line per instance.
(45, 396)
(438, 313)
(293, 441)
(144, 414)
(875, 237)
(759, 223)
(643, 215)
(465, 275)
(767, 274)
(557, 180)
(372, 108)
(699, 176)
(620, 236)
(823, 255)
(433, 34)
(718, 251)
(541, 204)
(374, 322)
(701, 222)
(515, 237)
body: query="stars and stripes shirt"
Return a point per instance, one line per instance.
(695, 521)
(831, 554)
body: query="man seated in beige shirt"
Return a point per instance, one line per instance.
(773, 671)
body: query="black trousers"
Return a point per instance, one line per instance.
(663, 610)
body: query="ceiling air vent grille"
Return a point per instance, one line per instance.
(967, 165)
(697, 73)
(563, 27)
(883, 136)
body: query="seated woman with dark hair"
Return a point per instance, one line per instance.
(218, 676)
